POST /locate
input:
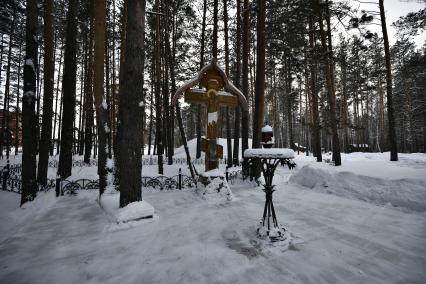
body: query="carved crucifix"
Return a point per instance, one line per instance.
(213, 79)
(213, 100)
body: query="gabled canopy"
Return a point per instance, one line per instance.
(212, 71)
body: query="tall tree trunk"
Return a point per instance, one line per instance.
(88, 127)
(17, 116)
(328, 52)
(52, 146)
(168, 66)
(151, 104)
(49, 73)
(5, 121)
(245, 71)
(215, 28)
(314, 96)
(237, 82)
(29, 185)
(381, 115)
(1, 56)
(130, 142)
(345, 99)
(113, 78)
(107, 112)
(199, 107)
(260, 82)
(389, 96)
(83, 96)
(227, 109)
(69, 90)
(99, 93)
(289, 104)
(159, 124)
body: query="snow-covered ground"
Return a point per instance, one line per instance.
(364, 222)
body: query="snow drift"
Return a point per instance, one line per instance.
(410, 194)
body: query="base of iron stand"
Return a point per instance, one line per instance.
(269, 226)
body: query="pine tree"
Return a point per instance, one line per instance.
(69, 91)
(49, 72)
(389, 96)
(129, 131)
(98, 90)
(29, 185)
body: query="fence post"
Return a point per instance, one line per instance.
(58, 186)
(180, 179)
(4, 177)
(5, 174)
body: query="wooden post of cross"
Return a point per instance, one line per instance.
(213, 100)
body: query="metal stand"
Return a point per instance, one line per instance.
(270, 228)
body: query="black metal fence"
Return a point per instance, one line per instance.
(146, 161)
(153, 160)
(75, 163)
(11, 180)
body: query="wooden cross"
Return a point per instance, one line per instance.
(213, 100)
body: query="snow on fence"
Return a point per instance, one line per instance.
(10, 180)
(146, 161)
(153, 160)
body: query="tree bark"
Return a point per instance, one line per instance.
(158, 104)
(314, 96)
(245, 79)
(389, 96)
(49, 72)
(215, 28)
(5, 121)
(88, 127)
(237, 82)
(227, 109)
(202, 52)
(29, 185)
(17, 103)
(56, 107)
(99, 93)
(328, 53)
(69, 90)
(130, 142)
(260, 82)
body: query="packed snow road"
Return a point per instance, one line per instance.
(337, 238)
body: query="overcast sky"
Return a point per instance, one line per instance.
(395, 9)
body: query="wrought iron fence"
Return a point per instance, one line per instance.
(75, 163)
(179, 181)
(146, 161)
(233, 175)
(153, 160)
(70, 187)
(11, 180)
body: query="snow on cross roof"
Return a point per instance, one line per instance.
(228, 85)
(277, 153)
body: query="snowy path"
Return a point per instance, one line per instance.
(54, 246)
(345, 240)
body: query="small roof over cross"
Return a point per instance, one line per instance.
(209, 72)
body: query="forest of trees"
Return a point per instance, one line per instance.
(95, 78)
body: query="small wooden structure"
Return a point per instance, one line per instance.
(214, 82)
(267, 136)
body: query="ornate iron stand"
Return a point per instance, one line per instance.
(270, 158)
(271, 228)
